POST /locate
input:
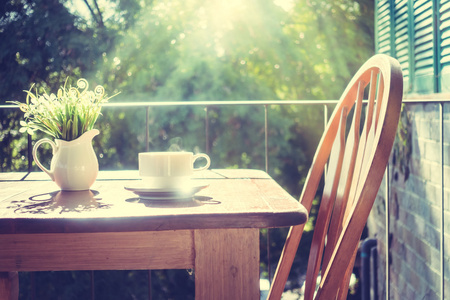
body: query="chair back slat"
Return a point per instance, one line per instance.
(379, 96)
(355, 152)
(343, 290)
(370, 105)
(324, 214)
(345, 180)
(361, 158)
(356, 164)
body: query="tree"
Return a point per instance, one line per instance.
(43, 43)
(237, 51)
(189, 51)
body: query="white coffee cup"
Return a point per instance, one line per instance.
(162, 170)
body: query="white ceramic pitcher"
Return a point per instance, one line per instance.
(74, 166)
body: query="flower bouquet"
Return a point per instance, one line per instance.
(66, 115)
(69, 117)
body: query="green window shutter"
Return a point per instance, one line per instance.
(444, 13)
(402, 39)
(383, 30)
(423, 47)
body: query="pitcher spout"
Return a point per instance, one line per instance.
(91, 133)
(85, 137)
(82, 139)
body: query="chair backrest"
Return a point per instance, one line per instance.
(356, 163)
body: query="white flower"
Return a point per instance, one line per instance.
(66, 115)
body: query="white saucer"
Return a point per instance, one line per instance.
(165, 193)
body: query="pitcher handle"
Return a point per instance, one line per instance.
(208, 161)
(36, 160)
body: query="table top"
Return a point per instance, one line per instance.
(232, 198)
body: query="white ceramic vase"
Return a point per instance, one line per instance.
(74, 166)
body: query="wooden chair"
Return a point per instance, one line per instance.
(355, 168)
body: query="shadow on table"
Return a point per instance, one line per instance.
(175, 203)
(60, 202)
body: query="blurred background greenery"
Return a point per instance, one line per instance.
(178, 50)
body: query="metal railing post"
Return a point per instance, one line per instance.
(207, 150)
(325, 122)
(387, 246)
(266, 156)
(29, 154)
(441, 144)
(266, 137)
(147, 129)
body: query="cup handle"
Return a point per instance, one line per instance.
(208, 161)
(36, 160)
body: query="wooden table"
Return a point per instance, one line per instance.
(110, 228)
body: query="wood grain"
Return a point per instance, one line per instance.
(247, 200)
(9, 285)
(231, 270)
(108, 227)
(97, 251)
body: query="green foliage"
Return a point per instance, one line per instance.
(13, 143)
(41, 43)
(189, 51)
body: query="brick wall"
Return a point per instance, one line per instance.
(415, 210)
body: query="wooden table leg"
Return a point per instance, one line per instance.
(9, 285)
(227, 264)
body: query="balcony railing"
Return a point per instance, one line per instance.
(437, 106)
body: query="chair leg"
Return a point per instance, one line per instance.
(343, 291)
(9, 285)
